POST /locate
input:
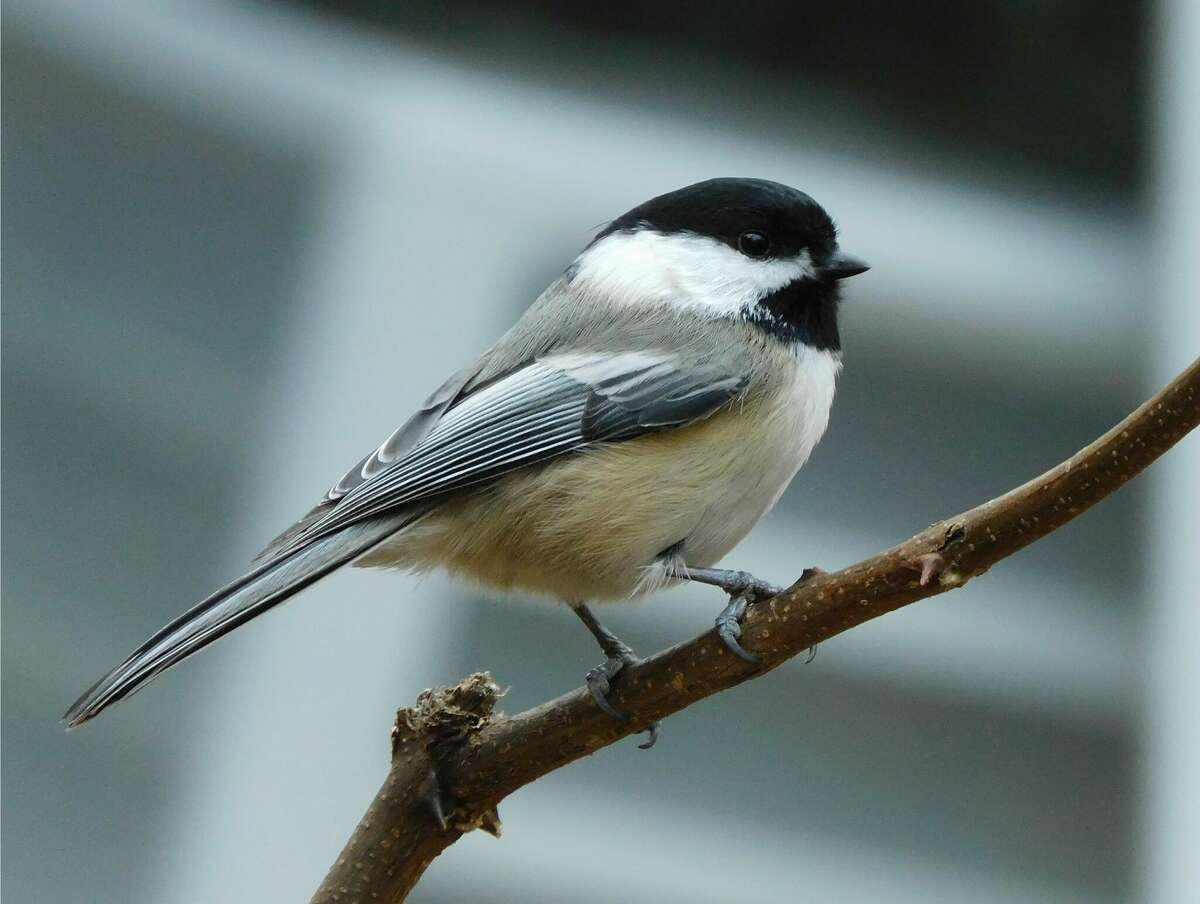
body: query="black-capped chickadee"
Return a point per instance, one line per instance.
(624, 435)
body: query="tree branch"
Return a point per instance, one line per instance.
(454, 760)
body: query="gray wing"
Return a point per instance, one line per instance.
(549, 407)
(398, 444)
(406, 436)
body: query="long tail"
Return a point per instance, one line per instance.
(252, 594)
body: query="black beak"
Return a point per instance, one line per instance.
(841, 265)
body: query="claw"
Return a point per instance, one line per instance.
(729, 628)
(598, 685)
(652, 729)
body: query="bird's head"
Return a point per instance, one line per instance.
(747, 248)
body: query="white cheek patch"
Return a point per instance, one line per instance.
(681, 269)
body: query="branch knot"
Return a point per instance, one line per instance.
(444, 718)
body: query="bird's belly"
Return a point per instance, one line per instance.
(591, 525)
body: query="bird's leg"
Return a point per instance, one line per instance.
(619, 655)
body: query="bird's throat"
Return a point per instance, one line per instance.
(803, 311)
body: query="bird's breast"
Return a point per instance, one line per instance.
(761, 448)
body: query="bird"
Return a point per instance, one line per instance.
(634, 424)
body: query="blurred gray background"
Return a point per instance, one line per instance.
(227, 225)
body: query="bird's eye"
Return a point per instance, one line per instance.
(754, 244)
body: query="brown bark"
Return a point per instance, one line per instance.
(486, 757)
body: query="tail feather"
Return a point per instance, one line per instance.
(267, 585)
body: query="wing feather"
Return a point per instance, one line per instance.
(405, 437)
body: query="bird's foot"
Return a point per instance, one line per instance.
(598, 684)
(744, 589)
(599, 680)
(729, 628)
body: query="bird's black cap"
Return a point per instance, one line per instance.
(725, 209)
